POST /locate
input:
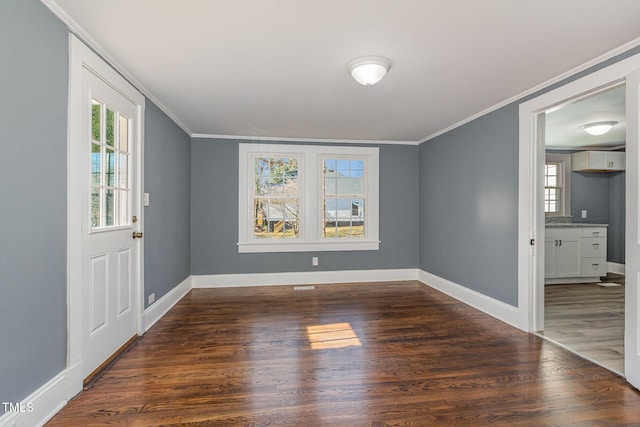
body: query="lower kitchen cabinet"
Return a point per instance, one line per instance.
(575, 254)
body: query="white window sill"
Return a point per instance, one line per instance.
(360, 245)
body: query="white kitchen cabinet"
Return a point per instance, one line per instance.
(575, 254)
(563, 252)
(598, 161)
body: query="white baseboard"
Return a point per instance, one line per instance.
(302, 278)
(38, 408)
(73, 380)
(501, 311)
(155, 311)
(614, 267)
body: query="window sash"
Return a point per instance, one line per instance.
(310, 176)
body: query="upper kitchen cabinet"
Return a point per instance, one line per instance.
(598, 161)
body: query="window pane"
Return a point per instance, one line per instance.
(350, 186)
(124, 134)
(96, 116)
(109, 168)
(330, 186)
(260, 220)
(96, 161)
(109, 208)
(110, 127)
(123, 170)
(95, 207)
(124, 217)
(276, 203)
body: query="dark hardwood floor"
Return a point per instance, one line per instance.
(346, 355)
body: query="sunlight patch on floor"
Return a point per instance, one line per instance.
(335, 335)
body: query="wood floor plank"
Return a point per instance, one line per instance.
(275, 356)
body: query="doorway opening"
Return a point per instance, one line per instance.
(584, 226)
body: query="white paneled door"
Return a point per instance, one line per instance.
(110, 253)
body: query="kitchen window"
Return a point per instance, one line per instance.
(557, 184)
(296, 198)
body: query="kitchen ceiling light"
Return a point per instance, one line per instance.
(369, 70)
(598, 128)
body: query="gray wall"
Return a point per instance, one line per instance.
(590, 192)
(458, 240)
(214, 219)
(33, 222)
(167, 228)
(602, 195)
(469, 205)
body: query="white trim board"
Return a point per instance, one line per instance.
(82, 58)
(491, 306)
(497, 309)
(158, 309)
(614, 267)
(302, 278)
(530, 211)
(315, 140)
(44, 403)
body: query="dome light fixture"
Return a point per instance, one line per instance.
(369, 70)
(598, 128)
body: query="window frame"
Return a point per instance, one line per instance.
(564, 175)
(310, 237)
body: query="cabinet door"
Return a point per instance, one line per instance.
(615, 161)
(569, 257)
(598, 160)
(550, 257)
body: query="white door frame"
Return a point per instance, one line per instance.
(82, 58)
(531, 161)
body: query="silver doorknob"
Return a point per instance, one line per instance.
(137, 235)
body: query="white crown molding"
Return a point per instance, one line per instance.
(84, 36)
(604, 57)
(313, 140)
(585, 148)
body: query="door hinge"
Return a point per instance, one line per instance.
(532, 242)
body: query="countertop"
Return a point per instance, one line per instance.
(573, 225)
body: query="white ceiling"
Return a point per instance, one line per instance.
(277, 68)
(562, 124)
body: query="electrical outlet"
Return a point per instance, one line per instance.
(584, 213)
(314, 261)
(152, 298)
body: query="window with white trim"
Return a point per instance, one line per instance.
(295, 198)
(557, 184)
(552, 187)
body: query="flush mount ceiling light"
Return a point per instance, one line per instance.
(598, 128)
(369, 70)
